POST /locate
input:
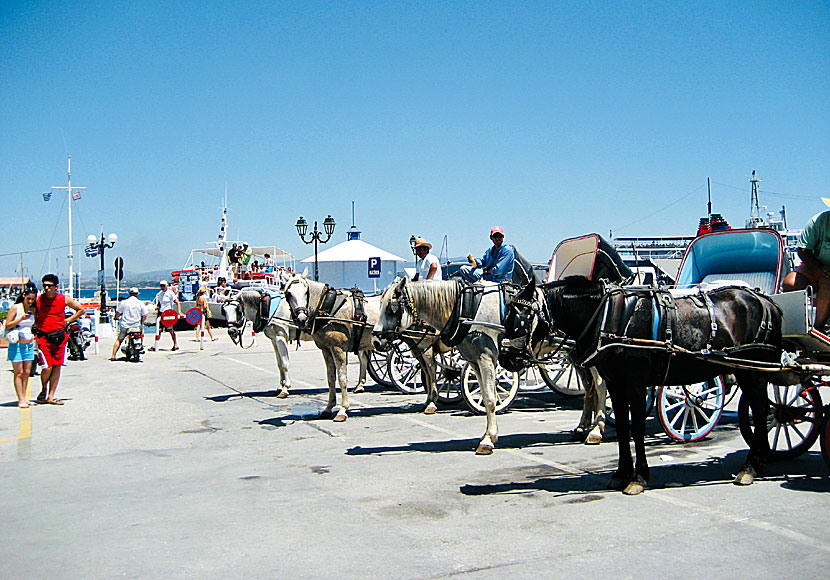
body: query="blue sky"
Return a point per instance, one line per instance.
(552, 119)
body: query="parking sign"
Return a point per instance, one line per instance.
(374, 267)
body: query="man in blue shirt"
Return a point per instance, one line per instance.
(496, 265)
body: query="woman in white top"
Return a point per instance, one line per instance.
(19, 322)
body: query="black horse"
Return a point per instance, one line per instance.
(638, 337)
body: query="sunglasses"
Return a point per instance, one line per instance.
(48, 285)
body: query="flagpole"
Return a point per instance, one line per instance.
(68, 189)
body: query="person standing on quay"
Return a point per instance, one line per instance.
(51, 323)
(167, 300)
(19, 323)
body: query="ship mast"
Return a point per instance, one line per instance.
(755, 219)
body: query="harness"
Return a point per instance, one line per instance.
(619, 305)
(331, 302)
(466, 306)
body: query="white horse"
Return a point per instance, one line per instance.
(433, 302)
(249, 304)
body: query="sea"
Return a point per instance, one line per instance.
(144, 294)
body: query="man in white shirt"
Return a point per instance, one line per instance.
(129, 314)
(167, 300)
(427, 266)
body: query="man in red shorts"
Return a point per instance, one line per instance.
(51, 322)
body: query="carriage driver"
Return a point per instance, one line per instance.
(496, 265)
(814, 270)
(427, 267)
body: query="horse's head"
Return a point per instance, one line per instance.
(297, 295)
(233, 312)
(397, 312)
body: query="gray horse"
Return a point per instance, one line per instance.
(403, 304)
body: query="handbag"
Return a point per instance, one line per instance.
(12, 336)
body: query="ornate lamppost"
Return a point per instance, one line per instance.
(412, 247)
(96, 245)
(316, 236)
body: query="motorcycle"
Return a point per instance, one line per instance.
(133, 344)
(80, 337)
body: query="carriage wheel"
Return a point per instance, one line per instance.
(609, 408)
(793, 422)
(825, 438)
(404, 370)
(507, 387)
(690, 412)
(561, 376)
(448, 369)
(379, 368)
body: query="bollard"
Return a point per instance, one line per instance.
(96, 344)
(202, 334)
(254, 335)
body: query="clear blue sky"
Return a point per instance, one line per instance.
(552, 119)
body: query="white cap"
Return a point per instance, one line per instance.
(163, 283)
(134, 290)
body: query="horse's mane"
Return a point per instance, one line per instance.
(434, 299)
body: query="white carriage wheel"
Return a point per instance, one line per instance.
(448, 369)
(379, 368)
(405, 370)
(507, 387)
(690, 412)
(563, 376)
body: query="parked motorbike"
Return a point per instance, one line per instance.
(80, 337)
(133, 344)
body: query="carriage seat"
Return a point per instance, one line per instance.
(763, 281)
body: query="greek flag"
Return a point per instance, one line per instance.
(91, 251)
(76, 195)
(47, 196)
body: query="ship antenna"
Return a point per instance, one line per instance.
(709, 205)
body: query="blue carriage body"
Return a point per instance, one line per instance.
(755, 256)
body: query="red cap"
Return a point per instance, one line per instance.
(496, 230)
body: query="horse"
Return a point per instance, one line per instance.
(338, 321)
(251, 304)
(643, 337)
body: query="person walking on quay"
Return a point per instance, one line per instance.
(51, 323)
(129, 314)
(166, 300)
(202, 306)
(19, 324)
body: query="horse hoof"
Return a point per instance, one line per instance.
(430, 409)
(340, 417)
(326, 414)
(593, 439)
(744, 478)
(634, 488)
(359, 389)
(282, 394)
(483, 449)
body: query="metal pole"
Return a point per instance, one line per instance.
(69, 207)
(103, 317)
(316, 239)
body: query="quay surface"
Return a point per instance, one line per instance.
(186, 466)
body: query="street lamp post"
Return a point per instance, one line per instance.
(302, 227)
(100, 245)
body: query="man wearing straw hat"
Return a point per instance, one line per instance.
(427, 266)
(814, 270)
